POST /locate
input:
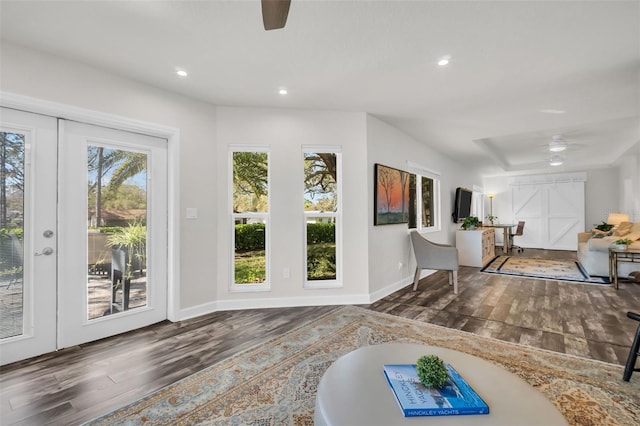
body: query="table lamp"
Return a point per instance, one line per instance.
(491, 196)
(617, 218)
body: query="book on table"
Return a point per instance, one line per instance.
(455, 398)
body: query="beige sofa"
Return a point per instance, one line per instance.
(593, 253)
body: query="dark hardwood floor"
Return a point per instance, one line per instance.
(580, 319)
(80, 383)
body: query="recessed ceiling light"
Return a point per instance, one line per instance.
(283, 91)
(182, 73)
(553, 111)
(444, 61)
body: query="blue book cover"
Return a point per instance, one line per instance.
(455, 398)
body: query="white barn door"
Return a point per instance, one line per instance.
(552, 207)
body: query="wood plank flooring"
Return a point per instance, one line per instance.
(579, 319)
(80, 383)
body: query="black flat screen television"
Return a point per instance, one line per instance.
(462, 205)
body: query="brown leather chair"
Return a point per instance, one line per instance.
(519, 232)
(630, 367)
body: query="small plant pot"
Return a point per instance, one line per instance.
(620, 246)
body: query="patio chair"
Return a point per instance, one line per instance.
(431, 255)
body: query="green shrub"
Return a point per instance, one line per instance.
(18, 232)
(321, 233)
(250, 237)
(431, 371)
(10, 255)
(321, 261)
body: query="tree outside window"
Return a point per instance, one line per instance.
(250, 215)
(321, 207)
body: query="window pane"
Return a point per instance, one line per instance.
(321, 248)
(427, 202)
(320, 177)
(250, 261)
(11, 234)
(117, 231)
(250, 182)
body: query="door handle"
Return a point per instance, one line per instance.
(45, 251)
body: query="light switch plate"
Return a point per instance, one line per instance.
(192, 213)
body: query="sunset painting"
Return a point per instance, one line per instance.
(391, 196)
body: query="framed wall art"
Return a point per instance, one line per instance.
(391, 196)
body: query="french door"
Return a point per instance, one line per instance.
(113, 232)
(28, 234)
(93, 236)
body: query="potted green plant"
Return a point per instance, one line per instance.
(128, 257)
(470, 222)
(604, 226)
(622, 243)
(491, 218)
(431, 371)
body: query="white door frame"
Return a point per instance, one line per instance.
(172, 134)
(39, 285)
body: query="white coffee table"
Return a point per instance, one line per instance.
(353, 391)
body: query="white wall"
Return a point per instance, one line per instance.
(40, 75)
(389, 244)
(629, 184)
(371, 254)
(602, 196)
(285, 131)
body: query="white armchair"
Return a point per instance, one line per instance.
(431, 255)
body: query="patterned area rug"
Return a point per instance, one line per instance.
(560, 270)
(275, 383)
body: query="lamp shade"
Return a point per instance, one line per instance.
(617, 218)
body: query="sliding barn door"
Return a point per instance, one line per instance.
(552, 208)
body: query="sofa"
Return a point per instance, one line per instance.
(593, 249)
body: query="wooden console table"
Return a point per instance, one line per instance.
(477, 247)
(617, 255)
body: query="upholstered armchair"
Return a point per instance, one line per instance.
(431, 255)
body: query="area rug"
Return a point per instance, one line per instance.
(547, 269)
(275, 383)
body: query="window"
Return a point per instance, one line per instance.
(323, 217)
(250, 217)
(424, 187)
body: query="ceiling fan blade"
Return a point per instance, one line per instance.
(274, 13)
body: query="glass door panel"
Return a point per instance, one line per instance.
(117, 230)
(28, 235)
(113, 232)
(11, 233)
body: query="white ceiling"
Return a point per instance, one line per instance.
(509, 61)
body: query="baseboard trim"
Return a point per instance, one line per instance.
(239, 304)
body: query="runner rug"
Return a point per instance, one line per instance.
(547, 269)
(275, 383)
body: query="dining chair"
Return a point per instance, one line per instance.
(519, 232)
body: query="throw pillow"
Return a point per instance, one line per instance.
(596, 233)
(623, 229)
(633, 236)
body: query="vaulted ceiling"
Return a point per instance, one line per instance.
(519, 73)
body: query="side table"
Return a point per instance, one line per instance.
(616, 256)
